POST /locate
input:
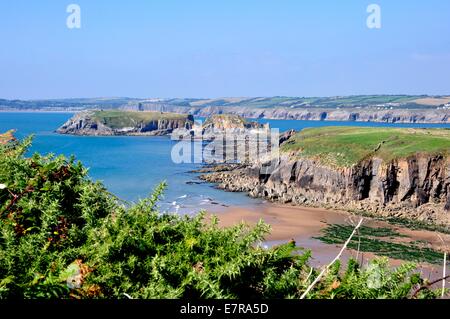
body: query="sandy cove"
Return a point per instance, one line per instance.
(303, 223)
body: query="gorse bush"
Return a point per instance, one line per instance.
(148, 255)
(46, 208)
(65, 236)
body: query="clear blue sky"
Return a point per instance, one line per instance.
(217, 48)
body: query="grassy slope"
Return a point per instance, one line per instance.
(405, 101)
(345, 146)
(324, 102)
(120, 119)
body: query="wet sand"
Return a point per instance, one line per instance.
(302, 224)
(287, 222)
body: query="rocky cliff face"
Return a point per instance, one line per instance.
(354, 114)
(86, 123)
(416, 187)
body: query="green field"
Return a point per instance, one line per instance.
(346, 146)
(330, 102)
(120, 119)
(396, 101)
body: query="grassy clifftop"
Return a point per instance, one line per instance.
(118, 119)
(345, 146)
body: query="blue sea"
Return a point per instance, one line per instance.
(131, 167)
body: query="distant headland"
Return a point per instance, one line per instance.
(365, 108)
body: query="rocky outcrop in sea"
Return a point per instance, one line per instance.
(125, 123)
(220, 126)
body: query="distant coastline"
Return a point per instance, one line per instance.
(445, 121)
(359, 108)
(38, 111)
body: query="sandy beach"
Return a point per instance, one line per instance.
(287, 222)
(302, 224)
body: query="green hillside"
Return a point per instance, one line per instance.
(345, 146)
(330, 102)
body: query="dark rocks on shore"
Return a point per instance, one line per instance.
(209, 168)
(417, 187)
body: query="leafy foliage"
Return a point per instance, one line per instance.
(45, 210)
(65, 236)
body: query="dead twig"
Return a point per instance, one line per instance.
(428, 285)
(309, 275)
(359, 244)
(444, 266)
(444, 275)
(334, 260)
(127, 295)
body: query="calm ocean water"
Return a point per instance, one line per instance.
(132, 166)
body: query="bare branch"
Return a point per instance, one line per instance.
(428, 285)
(443, 275)
(334, 260)
(444, 265)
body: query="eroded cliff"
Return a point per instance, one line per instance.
(415, 186)
(313, 114)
